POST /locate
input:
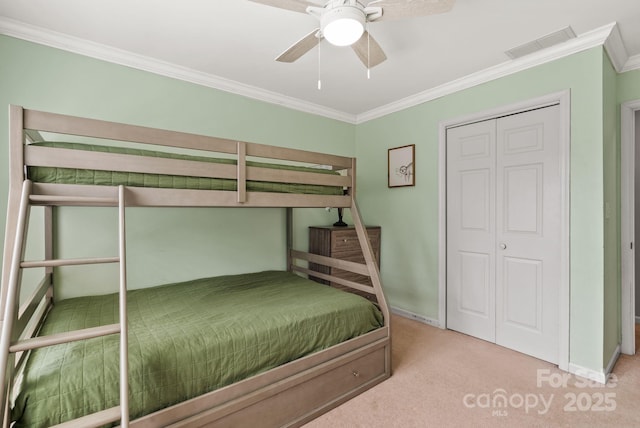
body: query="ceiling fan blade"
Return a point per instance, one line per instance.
(294, 5)
(367, 44)
(300, 47)
(400, 9)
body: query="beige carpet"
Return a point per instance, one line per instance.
(446, 379)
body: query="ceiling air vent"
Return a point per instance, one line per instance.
(543, 42)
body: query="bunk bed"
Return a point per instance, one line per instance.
(347, 346)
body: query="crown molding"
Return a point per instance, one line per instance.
(607, 36)
(633, 63)
(21, 30)
(588, 40)
(616, 50)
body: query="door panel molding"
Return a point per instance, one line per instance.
(530, 319)
(563, 100)
(520, 175)
(475, 206)
(470, 298)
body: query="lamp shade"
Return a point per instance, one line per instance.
(343, 25)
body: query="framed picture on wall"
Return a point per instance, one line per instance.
(402, 164)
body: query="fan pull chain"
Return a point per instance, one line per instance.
(319, 81)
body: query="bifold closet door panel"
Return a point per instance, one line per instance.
(528, 229)
(471, 175)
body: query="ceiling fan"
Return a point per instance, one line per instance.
(343, 23)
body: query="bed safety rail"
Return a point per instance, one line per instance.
(14, 342)
(336, 263)
(243, 172)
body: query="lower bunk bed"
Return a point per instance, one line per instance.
(191, 338)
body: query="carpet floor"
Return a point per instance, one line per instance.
(442, 378)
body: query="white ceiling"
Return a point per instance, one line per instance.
(231, 44)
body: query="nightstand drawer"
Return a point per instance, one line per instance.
(347, 240)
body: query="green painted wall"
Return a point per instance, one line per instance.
(611, 126)
(628, 87)
(215, 241)
(409, 216)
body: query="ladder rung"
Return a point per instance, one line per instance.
(69, 262)
(70, 336)
(93, 420)
(89, 200)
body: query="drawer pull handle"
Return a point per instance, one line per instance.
(355, 373)
(345, 240)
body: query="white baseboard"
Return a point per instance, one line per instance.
(408, 314)
(599, 376)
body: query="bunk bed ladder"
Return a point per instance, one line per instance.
(10, 342)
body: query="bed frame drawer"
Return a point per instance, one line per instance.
(340, 381)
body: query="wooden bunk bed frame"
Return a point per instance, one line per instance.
(288, 395)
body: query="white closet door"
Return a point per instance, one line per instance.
(503, 229)
(528, 218)
(471, 229)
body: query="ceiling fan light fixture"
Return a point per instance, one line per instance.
(343, 25)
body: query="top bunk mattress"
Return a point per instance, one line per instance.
(185, 339)
(57, 175)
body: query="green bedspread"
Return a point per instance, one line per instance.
(184, 340)
(113, 178)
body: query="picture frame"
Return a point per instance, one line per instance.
(401, 166)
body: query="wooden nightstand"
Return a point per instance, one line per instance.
(342, 243)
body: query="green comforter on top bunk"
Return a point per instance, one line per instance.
(42, 174)
(184, 339)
